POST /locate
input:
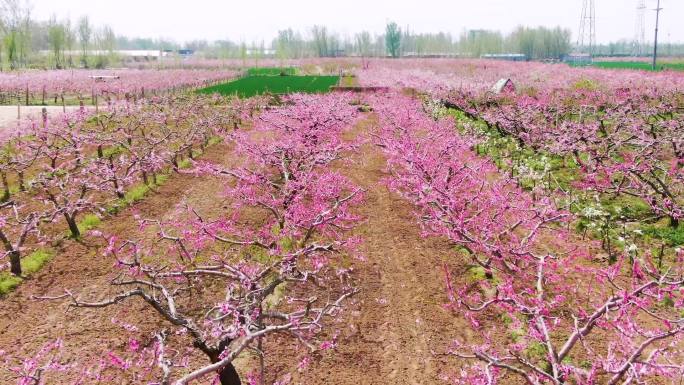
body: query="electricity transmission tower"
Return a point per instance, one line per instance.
(586, 40)
(640, 29)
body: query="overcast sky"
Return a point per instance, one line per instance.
(253, 20)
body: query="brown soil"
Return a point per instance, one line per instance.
(397, 329)
(395, 332)
(26, 324)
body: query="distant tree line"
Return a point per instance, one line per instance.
(25, 42)
(628, 48)
(319, 41)
(397, 41)
(538, 43)
(54, 43)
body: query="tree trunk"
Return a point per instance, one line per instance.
(119, 193)
(262, 363)
(229, 376)
(6, 192)
(15, 262)
(73, 227)
(674, 222)
(22, 185)
(14, 255)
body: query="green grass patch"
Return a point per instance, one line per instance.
(35, 261)
(536, 350)
(88, 222)
(516, 335)
(185, 164)
(638, 65)
(673, 237)
(14, 189)
(258, 254)
(477, 274)
(585, 85)
(8, 282)
(215, 140)
(29, 265)
(348, 81)
(136, 194)
(629, 207)
(537, 166)
(277, 85)
(112, 151)
(272, 71)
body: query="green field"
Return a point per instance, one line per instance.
(258, 85)
(645, 66)
(271, 71)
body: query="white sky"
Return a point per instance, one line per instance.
(253, 20)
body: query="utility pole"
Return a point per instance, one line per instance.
(655, 44)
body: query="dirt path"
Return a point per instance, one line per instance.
(398, 326)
